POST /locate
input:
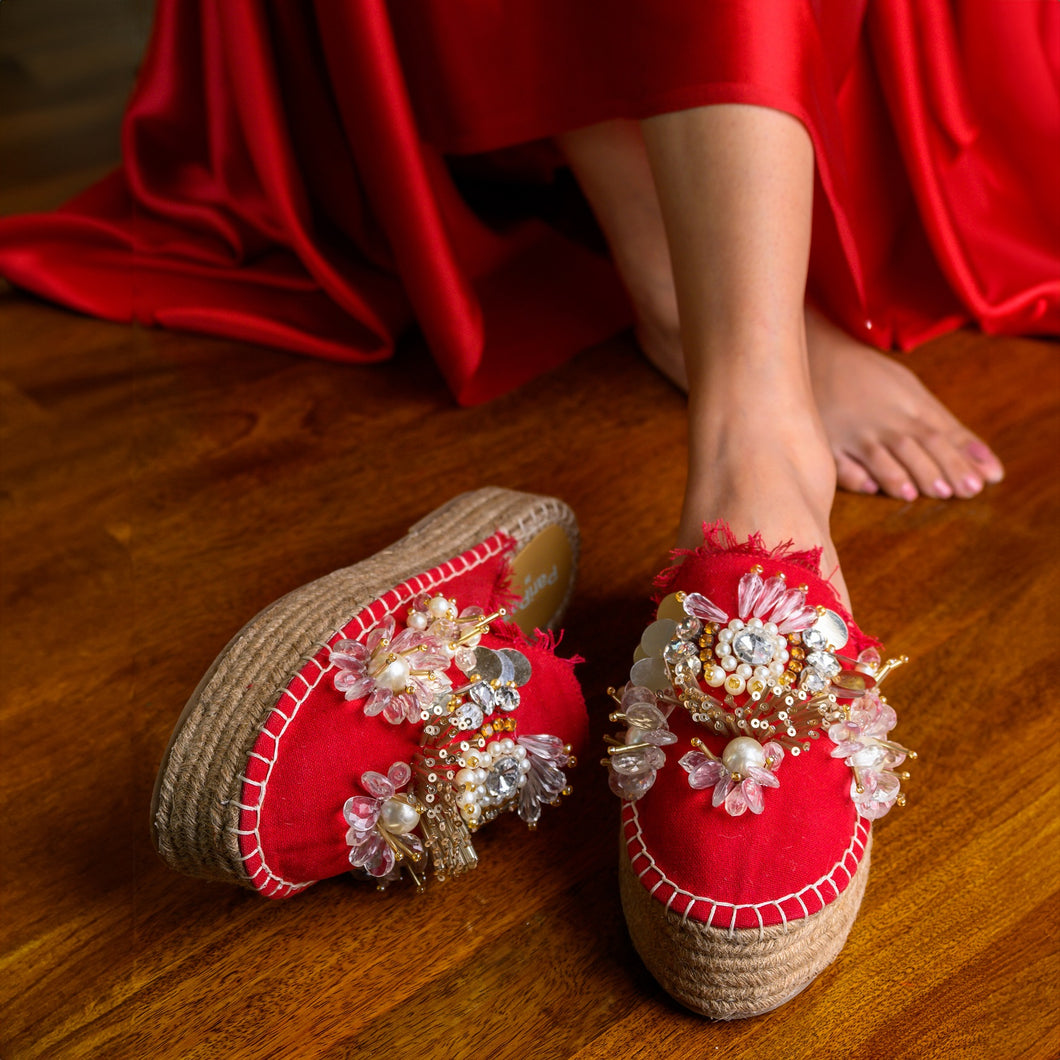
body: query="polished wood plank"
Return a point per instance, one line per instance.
(158, 489)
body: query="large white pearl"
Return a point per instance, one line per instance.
(735, 684)
(714, 676)
(395, 675)
(438, 607)
(398, 816)
(417, 620)
(742, 753)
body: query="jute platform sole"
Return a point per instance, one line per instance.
(735, 974)
(195, 808)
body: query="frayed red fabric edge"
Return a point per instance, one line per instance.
(503, 594)
(545, 640)
(719, 538)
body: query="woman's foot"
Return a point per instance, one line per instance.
(887, 432)
(764, 467)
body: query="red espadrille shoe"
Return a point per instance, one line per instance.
(754, 759)
(375, 718)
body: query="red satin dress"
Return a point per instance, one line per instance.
(288, 174)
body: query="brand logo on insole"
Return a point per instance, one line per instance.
(533, 586)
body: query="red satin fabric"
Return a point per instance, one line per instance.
(285, 176)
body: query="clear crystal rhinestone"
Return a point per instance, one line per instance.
(752, 646)
(507, 698)
(469, 716)
(680, 651)
(485, 695)
(824, 662)
(503, 779)
(814, 638)
(812, 681)
(687, 669)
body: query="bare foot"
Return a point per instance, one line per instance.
(886, 430)
(772, 475)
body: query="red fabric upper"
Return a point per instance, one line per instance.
(315, 745)
(753, 870)
(285, 179)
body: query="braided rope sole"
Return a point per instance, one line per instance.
(731, 974)
(195, 806)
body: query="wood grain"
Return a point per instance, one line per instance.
(158, 489)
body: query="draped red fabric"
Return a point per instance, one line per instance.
(287, 174)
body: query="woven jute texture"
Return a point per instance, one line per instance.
(195, 810)
(734, 974)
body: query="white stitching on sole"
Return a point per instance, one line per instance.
(636, 848)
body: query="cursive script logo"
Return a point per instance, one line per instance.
(533, 586)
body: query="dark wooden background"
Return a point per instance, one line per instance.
(158, 489)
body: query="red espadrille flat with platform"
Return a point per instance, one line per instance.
(374, 719)
(754, 759)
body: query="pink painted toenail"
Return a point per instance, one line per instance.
(971, 484)
(941, 488)
(908, 491)
(868, 486)
(979, 451)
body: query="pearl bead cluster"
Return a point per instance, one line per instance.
(490, 780)
(736, 669)
(457, 632)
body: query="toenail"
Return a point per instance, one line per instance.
(868, 486)
(971, 484)
(979, 451)
(941, 488)
(908, 491)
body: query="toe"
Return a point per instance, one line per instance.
(966, 478)
(922, 461)
(850, 475)
(893, 478)
(984, 458)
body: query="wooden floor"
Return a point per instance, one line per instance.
(158, 489)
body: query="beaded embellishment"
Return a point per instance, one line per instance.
(784, 659)
(472, 763)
